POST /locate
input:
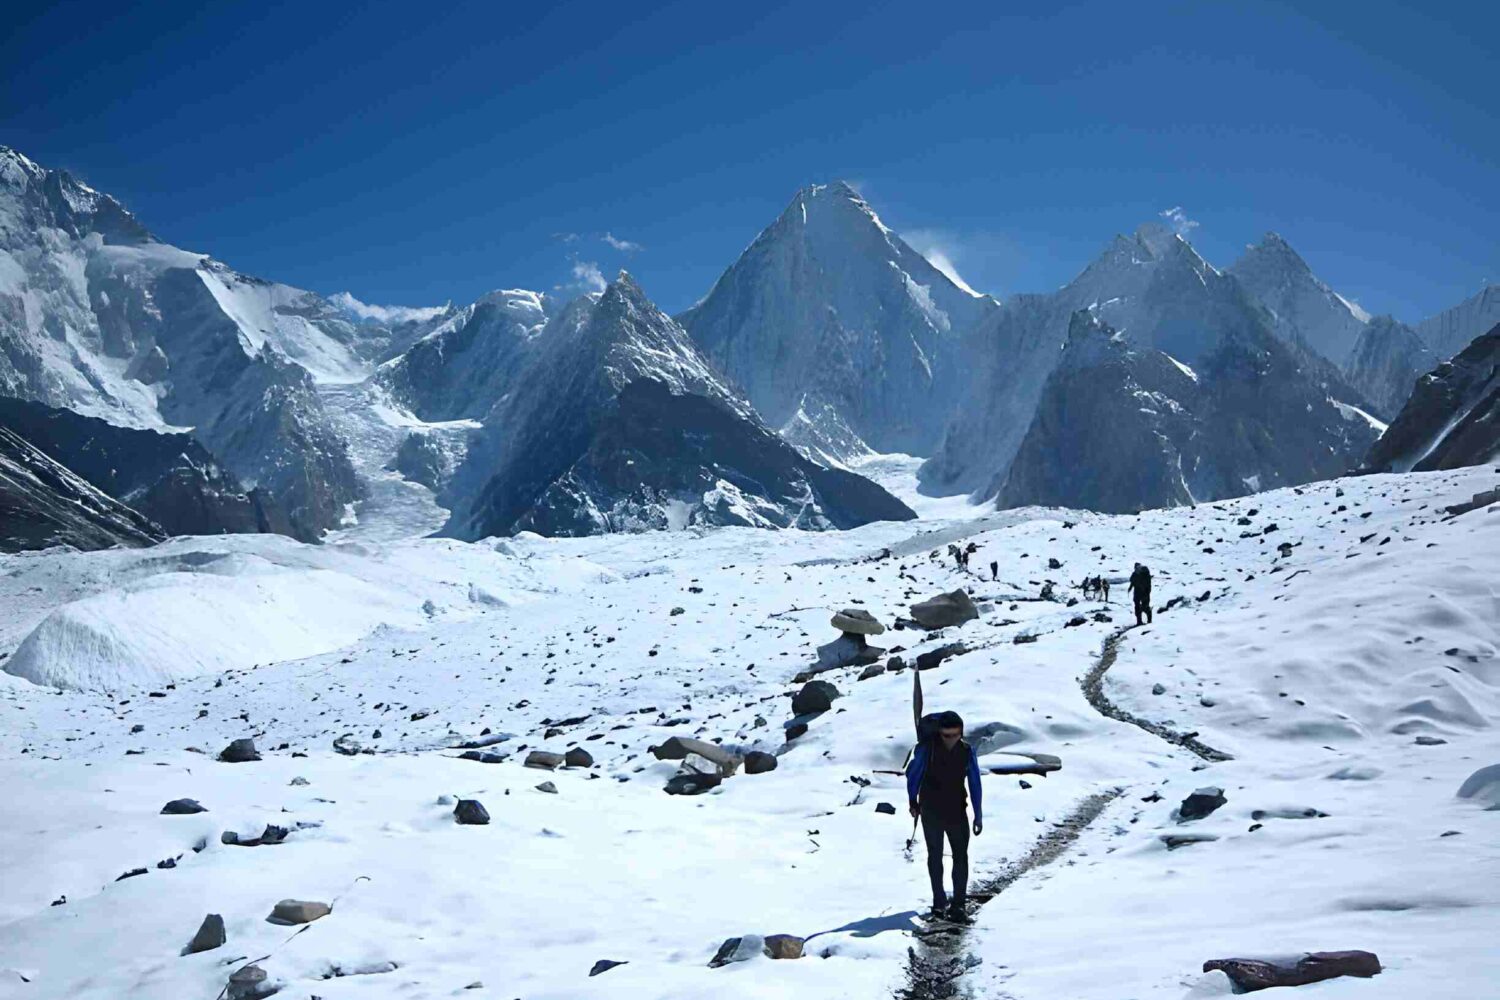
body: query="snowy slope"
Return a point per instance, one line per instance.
(830, 317)
(1353, 631)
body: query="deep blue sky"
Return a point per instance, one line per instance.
(415, 153)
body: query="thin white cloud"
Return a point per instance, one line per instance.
(565, 237)
(1178, 220)
(624, 246)
(586, 274)
(940, 249)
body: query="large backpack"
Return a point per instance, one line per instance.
(927, 734)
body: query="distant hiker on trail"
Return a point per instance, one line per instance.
(942, 764)
(994, 572)
(1104, 587)
(1140, 586)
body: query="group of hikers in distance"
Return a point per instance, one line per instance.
(942, 778)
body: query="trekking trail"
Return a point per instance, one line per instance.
(938, 962)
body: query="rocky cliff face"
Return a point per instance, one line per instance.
(838, 331)
(619, 424)
(1386, 362)
(1452, 330)
(1121, 428)
(43, 503)
(169, 478)
(1452, 418)
(1160, 295)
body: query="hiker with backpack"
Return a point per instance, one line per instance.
(1140, 586)
(941, 766)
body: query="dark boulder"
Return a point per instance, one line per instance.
(470, 812)
(1251, 974)
(210, 935)
(182, 807)
(1200, 804)
(935, 657)
(759, 762)
(815, 696)
(952, 608)
(578, 757)
(604, 965)
(239, 752)
(692, 783)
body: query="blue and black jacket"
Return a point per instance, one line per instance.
(938, 777)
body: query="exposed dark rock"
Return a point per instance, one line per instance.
(470, 812)
(239, 752)
(1251, 974)
(934, 658)
(944, 610)
(886, 808)
(210, 935)
(604, 965)
(1386, 362)
(1452, 418)
(298, 911)
(873, 670)
(545, 760)
(182, 807)
(794, 730)
(249, 983)
(815, 696)
(1203, 435)
(692, 783)
(759, 762)
(1200, 804)
(169, 478)
(578, 757)
(782, 946)
(43, 504)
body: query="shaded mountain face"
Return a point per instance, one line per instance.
(1156, 291)
(617, 423)
(458, 369)
(1303, 309)
(1121, 428)
(168, 478)
(1386, 362)
(43, 503)
(1452, 330)
(838, 331)
(98, 317)
(1452, 418)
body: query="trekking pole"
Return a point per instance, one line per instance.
(911, 841)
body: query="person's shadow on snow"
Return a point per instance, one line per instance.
(871, 926)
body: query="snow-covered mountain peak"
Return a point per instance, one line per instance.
(33, 197)
(1305, 310)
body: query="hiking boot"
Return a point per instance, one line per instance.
(957, 914)
(939, 908)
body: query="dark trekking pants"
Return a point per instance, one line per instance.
(939, 822)
(1143, 606)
